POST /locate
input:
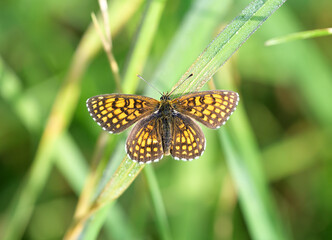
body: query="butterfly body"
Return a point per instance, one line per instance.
(164, 127)
(166, 115)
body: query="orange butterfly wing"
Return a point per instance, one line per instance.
(211, 108)
(117, 112)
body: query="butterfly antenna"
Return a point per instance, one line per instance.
(149, 84)
(180, 84)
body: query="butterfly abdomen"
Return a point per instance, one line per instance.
(166, 134)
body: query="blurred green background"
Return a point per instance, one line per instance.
(284, 89)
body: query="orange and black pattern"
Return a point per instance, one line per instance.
(144, 143)
(164, 127)
(211, 108)
(117, 112)
(188, 139)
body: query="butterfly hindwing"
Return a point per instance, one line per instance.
(188, 141)
(144, 143)
(211, 108)
(116, 112)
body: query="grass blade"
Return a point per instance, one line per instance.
(158, 203)
(299, 36)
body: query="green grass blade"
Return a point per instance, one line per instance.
(299, 36)
(245, 164)
(250, 191)
(158, 203)
(68, 158)
(92, 229)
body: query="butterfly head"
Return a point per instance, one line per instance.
(165, 97)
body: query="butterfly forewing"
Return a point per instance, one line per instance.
(188, 139)
(116, 112)
(144, 143)
(211, 108)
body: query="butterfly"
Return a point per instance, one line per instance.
(164, 127)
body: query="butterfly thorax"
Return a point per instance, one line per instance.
(165, 107)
